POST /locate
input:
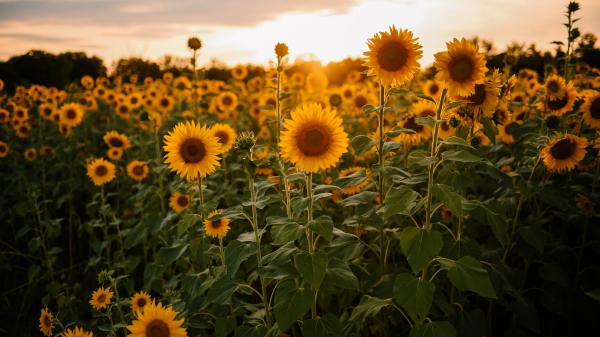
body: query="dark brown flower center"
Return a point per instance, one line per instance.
(227, 100)
(47, 321)
(335, 99)
(157, 328)
(553, 86)
(192, 150)
(445, 126)
(433, 89)
(101, 171)
(102, 297)
(141, 302)
(595, 108)
(360, 101)
(559, 103)
(563, 149)
(2, 148)
(47, 111)
(479, 96)
(410, 123)
(313, 140)
(182, 201)
(138, 170)
(115, 142)
(71, 114)
(461, 68)
(222, 136)
(164, 102)
(123, 109)
(347, 93)
(392, 56)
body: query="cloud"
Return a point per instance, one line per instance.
(34, 38)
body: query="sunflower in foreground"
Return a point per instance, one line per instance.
(139, 300)
(591, 110)
(192, 150)
(560, 105)
(555, 86)
(313, 138)
(179, 202)
(216, 228)
(101, 171)
(393, 56)
(116, 140)
(225, 134)
(46, 322)
(77, 332)
(484, 99)
(156, 321)
(461, 67)
(101, 298)
(71, 114)
(137, 170)
(563, 154)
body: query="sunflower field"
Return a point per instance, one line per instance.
(461, 200)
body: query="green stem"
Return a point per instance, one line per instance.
(222, 251)
(381, 175)
(161, 193)
(309, 217)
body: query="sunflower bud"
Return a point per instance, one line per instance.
(573, 6)
(194, 43)
(245, 141)
(281, 49)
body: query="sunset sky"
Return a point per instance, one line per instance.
(242, 31)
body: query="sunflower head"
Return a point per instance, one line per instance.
(192, 150)
(71, 114)
(194, 43)
(101, 298)
(555, 86)
(156, 321)
(101, 171)
(179, 202)
(225, 134)
(3, 149)
(313, 138)
(46, 322)
(357, 184)
(117, 140)
(564, 153)
(139, 300)
(591, 110)
(461, 66)
(216, 227)
(137, 170)
(77, 332)
(393, 56)
(281, 50)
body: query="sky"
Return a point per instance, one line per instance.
(245, 31)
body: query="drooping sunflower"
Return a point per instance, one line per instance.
(139, 300)
(555, 86)
(313, 138)
(179, 202)
(192, 150)
(77, 332)
(216, 228)
(101, 298)
(101, 171)
(46, 322)
(137, 170)
(157, 321)
(591, 110)
(225, 134)
(3, 149)
(461, 67)
(484, 99)
(393, 56)
(71, 114)
(117, 140)
(564, 153)
(353, 189)
(227, 101)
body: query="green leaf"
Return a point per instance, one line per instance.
(425, 97)
(323, 226)
(399, 200)
(362, 144)
(594, 294)
(168, 255)
(420, 246)
(399, 131)
(433, 329)
(236, 253)
(453, 140)
(312, 267)
(368, 306)
(414, 295)
(291, 304)
(467, 274)
(461, 156)
(326, 326)
(489, 129)
(221, 291)
(451, 199)
(425, 121)
(284, 230)
(339, 274)
(364, 197)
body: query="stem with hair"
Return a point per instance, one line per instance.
(380, 186)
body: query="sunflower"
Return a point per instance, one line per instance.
(114, 153)
(555, 86)
(3, 149)
(192, 150)
(77, 332)
(484, 99)
(46, 110)
(504, 134)
(139, 300)
(134, 100)
(354, 76)
(227, 101)
(558, 106)
(30, 154)
(101, 171)
(591, 110)
(432, 88)
(225, 134)
(116, 140)
(179, 201)
(101, 298)
(167, 77)
(216, 228)
(239, 72)
(182, 83)
(313, 138)
(46, 322)
(461, 67)
(71, 114)
(156, 321)
(4, 116)
(316, 82)
(563, 154)
(20, 114)
(410, 122)
(353, 189)
(393, 56)
(137, 170)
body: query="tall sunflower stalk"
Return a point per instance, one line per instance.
(194, 44)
